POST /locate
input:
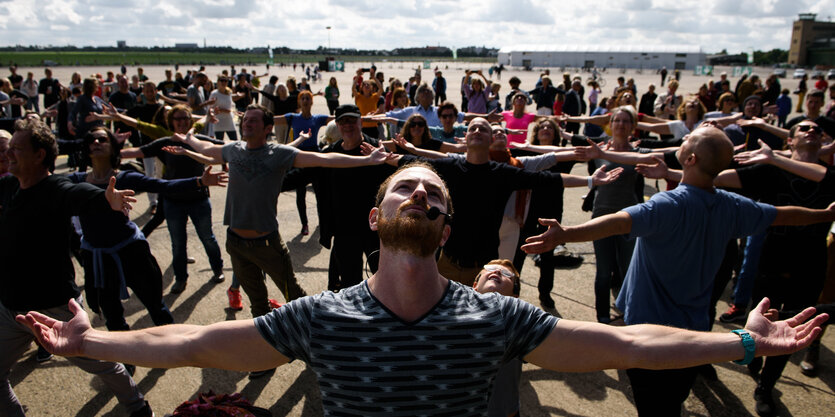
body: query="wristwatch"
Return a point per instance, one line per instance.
(748, 343)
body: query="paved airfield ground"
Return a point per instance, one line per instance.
(56, 388)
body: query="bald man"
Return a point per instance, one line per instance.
(681, 238)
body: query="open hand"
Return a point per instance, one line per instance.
(783, 337)
(658, 170)
(764, 155)
(218, 179)
(120, 200)
(59, 337)
(602, 177)
(545, 241)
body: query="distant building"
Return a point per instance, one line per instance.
(813, 42)
(186, 45)
(121, 44)
(725, 59)
(609, 56)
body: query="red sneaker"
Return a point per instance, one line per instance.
(275, 304)
(235, 302)
(733, 314)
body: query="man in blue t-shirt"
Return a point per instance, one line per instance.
(681, 239)
(408, 341)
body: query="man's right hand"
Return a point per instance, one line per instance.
(63, 338)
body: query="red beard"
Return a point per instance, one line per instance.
(411, 233)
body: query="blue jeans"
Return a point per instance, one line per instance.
(748, 272)
(200, 212)
(612, 255)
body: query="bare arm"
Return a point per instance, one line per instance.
(619, 223)
(600, 119)
(727, 120)
(575, 346)
(128, 153)
(199, 157)
(660, 128)
(453, 147)
(800, 216)
(762, 125)
(597, 151)
(234, 345)
(171, 101)
(215, 152)
(599, 177)
(338, 160)
(764, 155)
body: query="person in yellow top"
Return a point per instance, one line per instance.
(368, 100)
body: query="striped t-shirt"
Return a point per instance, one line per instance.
(369, 362)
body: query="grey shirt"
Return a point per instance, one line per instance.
(613, 197)
(371, 363)
(255, 177)
(196, 93)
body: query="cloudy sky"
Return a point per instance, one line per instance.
(735, 25)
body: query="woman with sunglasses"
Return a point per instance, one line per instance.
(115, 253)
(416, 132)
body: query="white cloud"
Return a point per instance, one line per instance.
(371, 24)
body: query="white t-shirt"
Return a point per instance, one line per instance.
(225, 121)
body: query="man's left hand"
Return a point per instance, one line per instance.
(783, 337)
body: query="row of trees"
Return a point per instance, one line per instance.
(439, 51)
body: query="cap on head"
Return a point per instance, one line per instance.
(347, 110)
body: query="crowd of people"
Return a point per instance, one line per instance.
(443, 205)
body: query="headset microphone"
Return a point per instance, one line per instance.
(434, 212)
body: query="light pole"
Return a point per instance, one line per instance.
(329, 38)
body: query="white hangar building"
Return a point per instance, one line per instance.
(683, 57)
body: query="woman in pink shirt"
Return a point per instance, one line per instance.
(518, 119)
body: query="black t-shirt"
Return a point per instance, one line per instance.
(35, 244)
(50, 88)
(479, 194)
(15, 79)
(123, 101)
(168, 87)
(350, 192)
(244, 101)
(179, 166)
(786, 245)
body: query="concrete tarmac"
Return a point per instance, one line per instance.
(56, 388)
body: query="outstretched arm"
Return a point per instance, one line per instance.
(199, 157)
(764, 155)
(599, 177)
(619, 223)
(660, 128)
(338, 160)
(762, 125)
(234, 345)
(800, 216)
(582, 346)
(215, 152)
(598, 151)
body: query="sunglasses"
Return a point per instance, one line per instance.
(99, 139)
(505, 273)
(418, 124)
(447, 116)
(806, 128)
